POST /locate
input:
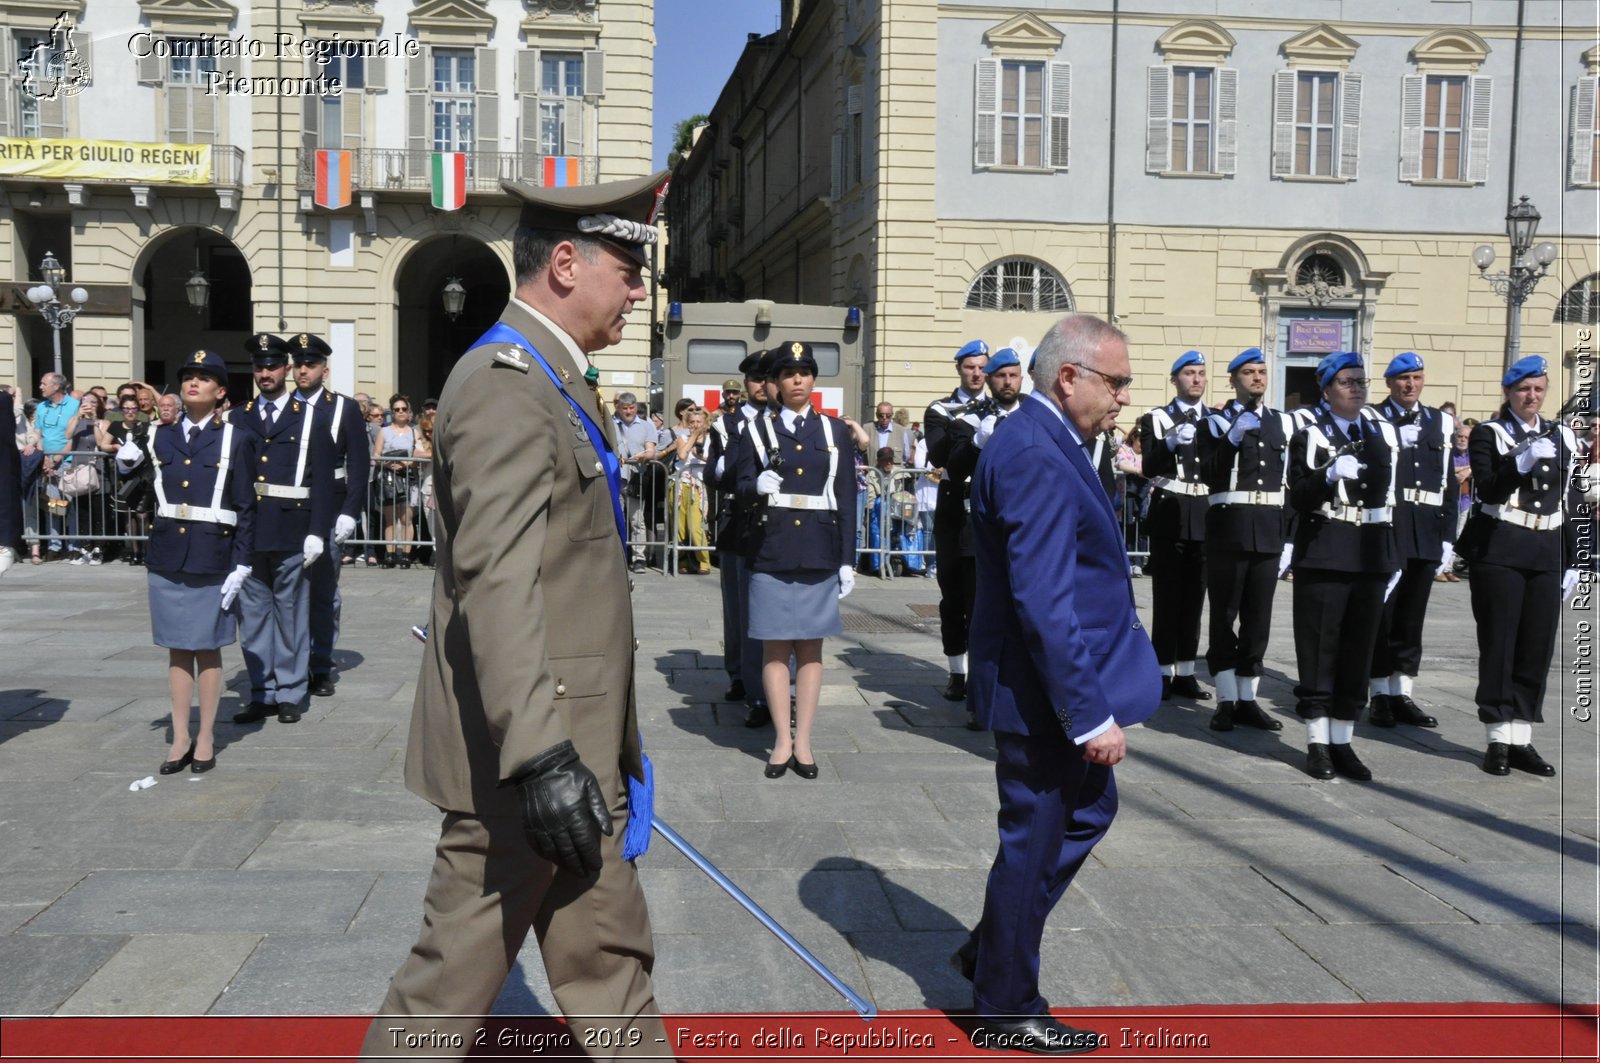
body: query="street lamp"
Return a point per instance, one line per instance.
(46, 298)
(1528, 266)
(455, 297)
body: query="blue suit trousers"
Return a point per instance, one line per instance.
(274, 628)
(1054, 807)
(323, 577)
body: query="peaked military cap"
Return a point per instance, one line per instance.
(205, 363)
(1523, 368)
(308, 348)
(266, 349)
(622, 213)
(751, 365)
(733, 384)
(796, 354)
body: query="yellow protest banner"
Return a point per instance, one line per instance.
(127, 162)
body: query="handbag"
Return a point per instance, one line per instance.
(79, 479)
(392, 483)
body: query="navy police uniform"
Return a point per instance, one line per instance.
(10, 481)
(952, 534)
(341, 417)
(293, 483)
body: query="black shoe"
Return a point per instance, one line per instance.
(1187, 686)
(965, 959)
(200, 767)
(1222, 719)
(1526, 758)
(802, 769)
(1405, 711)
(758, 716)
(1497, 759)
(287, 714)
(1380, 711)
(172, 767)
(972, 721)
(735, 691)
(1346, 763)
(388, 562)
(258, 711)
(956, 689)
(775, 771)
(1251, 714)
(321, 686)
(1039, 1034)
(637, 566)
(1166, 688)
(1319, 765)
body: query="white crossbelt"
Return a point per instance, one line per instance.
(215, 513)
(338, 474)
(1179, 487)
(1524, 519)
(824, 501)
(788, 501)
(1421, 497)
(1247, 498)
(281, 491)
(1358, 514)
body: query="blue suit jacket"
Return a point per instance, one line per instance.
(10, 478)
(352, 454)
(189, 474)
(282, 524)
(1056, 645)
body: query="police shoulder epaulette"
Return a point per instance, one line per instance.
(514, 357)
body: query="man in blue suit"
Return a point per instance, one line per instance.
(1059, 665)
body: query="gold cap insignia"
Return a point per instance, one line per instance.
(303, 339)
(199, 357)
(266, 342)
(798, 349)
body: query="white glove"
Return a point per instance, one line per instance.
(1447, 559)
(231, 585)
(1541, 450)
(1389, 589)
(769, 482)
(1409, 434)
(847, 580)
(969, 418)
(1569, 583)
(8, 557)
(1285, 558)
(313, 549)
(1345, 467)
(1245, 422)
(130, 454)
(985, 430)
(1182, 435)
(344, 526)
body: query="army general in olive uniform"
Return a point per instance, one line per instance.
(524, 731)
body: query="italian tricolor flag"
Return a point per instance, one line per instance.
(449, 180)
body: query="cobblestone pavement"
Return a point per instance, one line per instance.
(289, 880)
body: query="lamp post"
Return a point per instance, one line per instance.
(46, 298)
(455, 297)
(1528, 266)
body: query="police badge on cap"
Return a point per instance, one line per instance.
(205, 363)
(266, 349)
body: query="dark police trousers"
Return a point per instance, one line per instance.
(1334, 614)
(1518, 613)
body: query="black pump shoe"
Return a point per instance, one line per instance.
(802, 769)
(200, 767)
(172, 767)
(776, 771)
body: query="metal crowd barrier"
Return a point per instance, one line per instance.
(74, 502)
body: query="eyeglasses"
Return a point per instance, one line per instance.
(130, 408)
(1355, 383)
(400, 409)
(1115, 383)
(375, 415)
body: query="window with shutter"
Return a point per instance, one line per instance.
(594, 72)
(1444, 102)
(1060, 132)
(1349, 126)
(1584, 133)
(453, 103)
(1227, 155)
(9, 89)
(419, 130)
(1413, 90)
(1316, 124)
(1158, 111)
(986, 116)
(486, 111)
(1480, 111)
(527, 72)
(1192, 120)
(1022, 130)
(1283, 93)
(574, 116)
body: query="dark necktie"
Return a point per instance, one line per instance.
(1355, 433)
(194, 430)
(270, 413)
(799, 423)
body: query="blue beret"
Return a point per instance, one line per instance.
(208, 362)
(1523, 368)
(1408, 362)
(1330, 366)
(1187, 358)
(1000, 359)
(975, 347)
(1244, 358)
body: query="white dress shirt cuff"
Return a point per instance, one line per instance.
(1098, 730)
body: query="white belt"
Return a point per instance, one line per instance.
(1421, 497)
(1523, 519)
(1247, 498)
(786, 501)
(338, 474)
(1358, 514)
(204, 514)
(281, 491)
(1179, 487)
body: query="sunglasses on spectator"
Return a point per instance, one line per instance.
(375, 415)
(400, 409)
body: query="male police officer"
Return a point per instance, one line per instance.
(952, 535)
(1425, 531)
(1341, 483)
(1177, 526)
(1244, 452)
(352, 458)
(294, 510)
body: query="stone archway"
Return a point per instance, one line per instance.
(428, 341)
(166, 328)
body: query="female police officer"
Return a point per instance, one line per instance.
(798, 466)
(1524, 560)
(199, 549)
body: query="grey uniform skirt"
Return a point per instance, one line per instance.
(186, 612)
(794, 605)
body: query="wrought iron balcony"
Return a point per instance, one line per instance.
(390, 170)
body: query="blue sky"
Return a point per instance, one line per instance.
(697, 43)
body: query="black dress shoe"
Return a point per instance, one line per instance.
(1380, 711)
(775, 771)
(1346, 763)
(1406, 711)
(956, 689)
(1526, 758)
(1222, 719)
(802, 769)
(287, 714)
(1251, 714)
(637, 566)
(172, 767)
(1188, 686)
(1040, 1034)
(1319, 765)
(321, 686)
(258, 711)
(735, 691)
(200, 767)
(758, 716)
(972, 721)
(1497, 759)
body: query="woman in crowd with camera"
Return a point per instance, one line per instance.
(79, 479)
(132, 492)
(198, 556)
(396, 441)
(798, 471)
(689, 443)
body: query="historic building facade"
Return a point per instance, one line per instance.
(1209, 175)
(206, 170)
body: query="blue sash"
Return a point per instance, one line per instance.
(504, 333)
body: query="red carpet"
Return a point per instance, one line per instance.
(1349, 1033)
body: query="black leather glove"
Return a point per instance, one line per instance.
(563, 810)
